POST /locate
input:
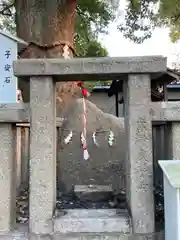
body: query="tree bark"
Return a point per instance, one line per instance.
(45, 22)
(47, 25)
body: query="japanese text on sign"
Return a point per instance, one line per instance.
(7, 54)
(7, 67)
(8, 82)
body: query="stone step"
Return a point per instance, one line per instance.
(80, 224)
(81, 213)
(109, 236)
(18, 235)
(90, 236)
(92, 221)
(22, 233)
(117, 236)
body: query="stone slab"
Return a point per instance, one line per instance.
(77, 221)
(73, 69)
(93, 192)
(159, 111)
(17, 112)
(92, 188)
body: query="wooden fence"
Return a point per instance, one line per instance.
(23, 153)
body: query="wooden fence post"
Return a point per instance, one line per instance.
(18, 156)
(25, 156)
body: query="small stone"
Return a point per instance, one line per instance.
(112, 204)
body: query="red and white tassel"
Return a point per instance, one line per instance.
(85, 151)
(86, 154)
(85, 94)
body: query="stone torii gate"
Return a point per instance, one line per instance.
(140, 112)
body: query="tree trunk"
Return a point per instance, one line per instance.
(47, 25)
(46, 22)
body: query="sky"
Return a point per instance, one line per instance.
(159, 44)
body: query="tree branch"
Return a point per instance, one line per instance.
(6, 8)
(176, 17)
(83, 19)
